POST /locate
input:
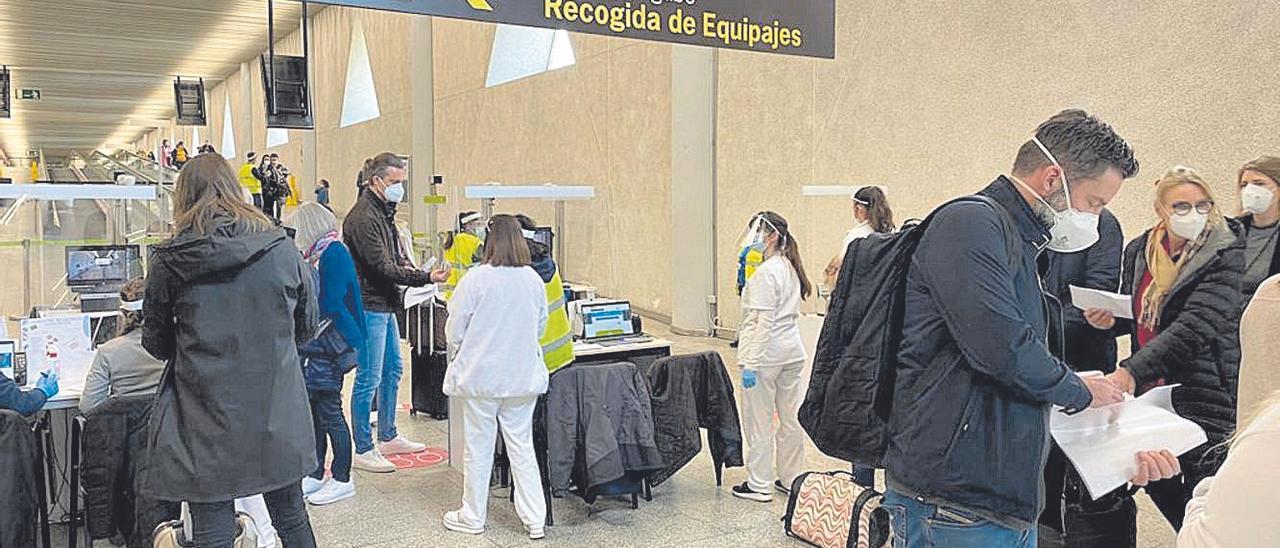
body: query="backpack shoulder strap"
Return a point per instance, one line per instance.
(1011, 234)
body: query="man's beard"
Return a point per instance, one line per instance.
(1048, 214)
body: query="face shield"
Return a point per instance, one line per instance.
(753, 236)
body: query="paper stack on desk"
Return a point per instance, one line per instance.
(1120, 306)
(1102, 443)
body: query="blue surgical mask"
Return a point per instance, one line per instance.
(481, 232)
(758, 246)
(395, 193)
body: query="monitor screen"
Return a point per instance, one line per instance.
(102, 267)
(7, 349)
(607, 320)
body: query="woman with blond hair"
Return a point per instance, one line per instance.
(1184, 275)
(228, 301)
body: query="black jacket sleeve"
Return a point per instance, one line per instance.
(159, 335)
(368, 248)
(971, 280)
(1212, 307)
(24, 402)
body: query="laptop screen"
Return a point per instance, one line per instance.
(607, 320)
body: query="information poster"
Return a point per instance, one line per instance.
(61, 344)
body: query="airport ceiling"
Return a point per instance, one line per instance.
(105, 68)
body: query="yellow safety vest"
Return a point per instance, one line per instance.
(557, 338)
(754, 260)
(460, 258)
(248, 181)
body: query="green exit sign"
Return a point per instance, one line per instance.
(29, 94)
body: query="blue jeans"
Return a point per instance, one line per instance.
(331, 427)
(921, 525)
(379, 373)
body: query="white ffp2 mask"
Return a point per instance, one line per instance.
(1188, 226)
(1073, 230)
(1256, 199)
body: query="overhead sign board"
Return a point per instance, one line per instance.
(790, 27)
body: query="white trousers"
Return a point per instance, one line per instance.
(481, 417)
(780, 391)
(256, 507)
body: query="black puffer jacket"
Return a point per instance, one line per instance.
(370, 233)
(1198, 345)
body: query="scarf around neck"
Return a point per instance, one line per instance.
(317, 249)
(1164, 271)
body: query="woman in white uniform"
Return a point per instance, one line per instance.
(496, 317)
(871, 215)
(772, 357)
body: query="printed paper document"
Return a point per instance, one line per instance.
(1102, 443)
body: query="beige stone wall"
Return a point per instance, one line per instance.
(932, 98)
(605, 121)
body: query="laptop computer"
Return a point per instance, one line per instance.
(609, 324)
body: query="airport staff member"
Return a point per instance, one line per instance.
(27, 402)
(460, 249)
(557, 338)
(250, 179)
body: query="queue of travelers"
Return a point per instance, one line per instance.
(247, 414)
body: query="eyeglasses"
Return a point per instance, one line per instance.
(1183, 208)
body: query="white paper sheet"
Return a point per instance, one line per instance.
(75, 349)
(415, 296)
(1102, 442)
(1120, 306)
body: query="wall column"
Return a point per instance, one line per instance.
(423, 149)
(693, 183)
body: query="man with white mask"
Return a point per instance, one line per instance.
(968, 433)
(383, 266)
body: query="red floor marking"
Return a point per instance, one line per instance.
(431, 457)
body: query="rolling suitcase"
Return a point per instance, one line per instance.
(428, 359)
(177, 534)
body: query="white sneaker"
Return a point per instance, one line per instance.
(400, 446)
(311, 485)
(372, 461)
(334, 491)
(453, 522)
(536, 532)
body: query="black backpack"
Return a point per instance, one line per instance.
(846, 410)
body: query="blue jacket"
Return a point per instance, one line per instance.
(335, 351)
(25, 402)
(975, 380)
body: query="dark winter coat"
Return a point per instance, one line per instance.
(115, 448)
(1198, 345)
(370, 233)
(688, 393)
(599, 426)
(975, 378)
(228, 311)
(19, 464)
(1070, 336)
